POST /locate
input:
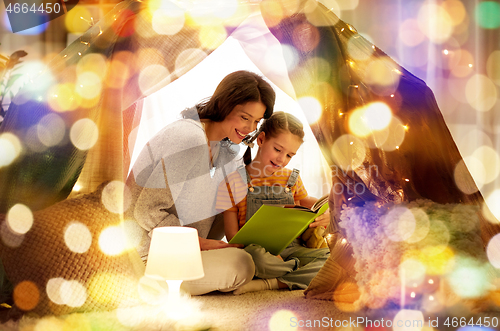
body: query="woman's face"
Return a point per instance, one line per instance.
(243, 120)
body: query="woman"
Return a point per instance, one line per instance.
(175, 178)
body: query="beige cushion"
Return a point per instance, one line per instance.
(51, 278)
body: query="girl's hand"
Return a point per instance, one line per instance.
(209, 244)
(322, 220)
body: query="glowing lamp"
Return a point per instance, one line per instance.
(174, 256)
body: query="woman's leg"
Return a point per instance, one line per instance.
(225, 270)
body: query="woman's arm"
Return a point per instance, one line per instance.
(230, 224)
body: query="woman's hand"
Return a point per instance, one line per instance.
(322, 220)
(208, 244)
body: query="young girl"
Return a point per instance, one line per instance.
(265, 178)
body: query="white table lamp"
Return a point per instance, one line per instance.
(174, 256)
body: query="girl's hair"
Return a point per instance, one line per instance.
(278, 123)
(235, 89)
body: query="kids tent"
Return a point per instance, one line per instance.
(88, 101)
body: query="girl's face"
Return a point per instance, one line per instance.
(242, 120)
(275, 152)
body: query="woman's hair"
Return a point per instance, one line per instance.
(235, 89)
(279, 122)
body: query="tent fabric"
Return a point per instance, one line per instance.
(95, 87)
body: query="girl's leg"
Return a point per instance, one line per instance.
(310, 262)
(268, 265)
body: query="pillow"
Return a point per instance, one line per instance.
(418, 255)
(70, 257)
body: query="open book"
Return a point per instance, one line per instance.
(274, 227)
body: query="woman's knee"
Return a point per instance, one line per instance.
(240, 264)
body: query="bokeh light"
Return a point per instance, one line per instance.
(118, 73)
(461, 63)
(151, 76)
(310, 9)
(469, 141)
(73, 293)
(51, 129)
(410, 33)
(116, 197)
(464, 179)
(290, 55)
(211, 37)
(469, 279)
(438, 260)
(396, 135)
(311, 107)
(490, 160)
(63, 97)
(187, 59)
(113, 240)
(77, 237)
(382, 76)
(77, 19)
(487, 14)
(11, 148)
(26, 295)
(32, 140)
(435, 22)
(133, 231)
(100, 281)
(84, 134)
(398, 224)
(456, 10)
(349, 152)
(355, 52)
(94, 63)
(422, 226)
(492, 67)
(10, 238)
(374, 116)
(494, 207)
(53, 290)
(20, 218)
(272, 12)
(281, 320)
(343, 4)
(493, 251)
(168, 19)
(88, 85)
(224, 9)
(413, 271)
(305, 37)
(481, 93)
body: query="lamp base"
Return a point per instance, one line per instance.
(174, 287)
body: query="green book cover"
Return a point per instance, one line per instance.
(275, 227)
